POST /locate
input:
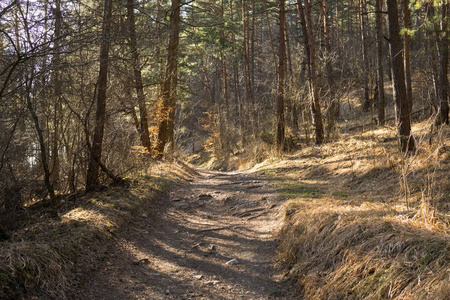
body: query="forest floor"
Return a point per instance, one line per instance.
(212, 237)
(352, 219)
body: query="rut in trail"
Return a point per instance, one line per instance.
(213, 238)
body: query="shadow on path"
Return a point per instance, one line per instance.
(212, 238)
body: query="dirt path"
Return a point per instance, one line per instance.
(214, 238)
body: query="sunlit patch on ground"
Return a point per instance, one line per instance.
(364, 221)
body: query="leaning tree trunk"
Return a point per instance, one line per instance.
(143, 115)
(398, 72)
(92, 179)
(169, 88)
(281, 78)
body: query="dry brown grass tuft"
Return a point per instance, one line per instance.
(35, 268)
(255, 153)
(341, 251)
(377, 226)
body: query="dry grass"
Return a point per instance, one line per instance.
(367, 251)
(33, 267)
(44, 256)
(363, 220)
(256, 152)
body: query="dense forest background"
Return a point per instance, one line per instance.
(253, 148)
(91, 90)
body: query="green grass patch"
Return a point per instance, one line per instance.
(340, 195)
(297, 190)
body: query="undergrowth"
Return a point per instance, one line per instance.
(46, 255)
(254, 153)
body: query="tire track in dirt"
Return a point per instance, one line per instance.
(212, 238)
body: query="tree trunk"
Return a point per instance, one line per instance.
(158, 57)
(432, 53)
(364, 51)
(224, 68)
(443, 62)
(252, 52)
(169, 88)
(289, 69)
(333, 109)
(57, 96)
(247, 66)
(92, 178)
(380, 78)
(326, 43)
(407, 53)
(237, 95)
(39, 131)
(272, 46)
(398, 72)
(143, 115)
(308, 36)
(281, 78)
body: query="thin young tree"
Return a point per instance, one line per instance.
(364, 53)
(58, 93)
(92, 178)
(403, 109)
(443, 116)
(281, 79)
(407, 56)
(333, 108)
(249, 95)
(380, 78)
(143, 114)
(304, 10)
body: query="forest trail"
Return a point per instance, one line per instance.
(212, 238)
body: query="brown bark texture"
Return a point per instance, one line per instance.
(169, 88)
(92, 178)
(143, 114)
(398, 72)
(380, 78)
(281, 79)
(308, 36)
(443, 118)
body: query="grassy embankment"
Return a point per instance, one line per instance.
(363, 221)
(45, 255)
